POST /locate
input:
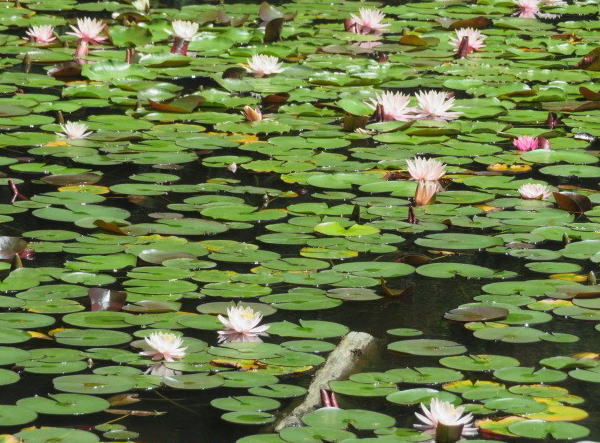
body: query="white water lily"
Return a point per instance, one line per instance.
(474, 37)
(444, 413)
(74, 130)
(534, 191)
(41, 34)
(425, 169)
(164, 346)
(367, 21)
(242, 325)
(141, 5)
(89, 30)
(260, 65)
(435, 105)
(184, 30)
(394, 106)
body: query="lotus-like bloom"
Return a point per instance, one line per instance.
(534, 191)
(89, 30)
(241, 325)
(475, 39)
(526, 143)
(74, 130)
(393, 105)
(251, 114)
(425, 169)
(434, 106)
(165, 346)
(261, 65)
(184, 30)
(528, 8)
(441, 412)
(141, 5)
(41, 34)
(368, 21)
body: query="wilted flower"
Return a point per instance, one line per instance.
(475, 39)
(41, 34)
(394, 105)
(444, 413)
(251, 114)
(89, 30)
(183, 29)
(534, 191)
(141, 5)
(434, 106)
(428, 169)
(526, 143)
(74, 130)
(366, 22)
(165, 346)
(261, 65)
(528, 8)
(241, 325)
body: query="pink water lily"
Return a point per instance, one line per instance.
(434, 105)
(426, 191)
(13, 246)
(183, 33)
(241, 325)
(394, 106)
(528, 8)
(368, 21)
(474, 37)
(526, 143)
(444, 413)
(41, 34)
(89, 30)
(534, 191)
(164, 346)
(425, 169)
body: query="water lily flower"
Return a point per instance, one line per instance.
(41, 34)
(164, 346)
(435, 105)
(474, 37)
(241, 325)
(74, 130)
(426, 191)
(534, 191)
(13, 246)
(252, 114)
(528, 8)
(394, 106)
(425, 169)
(183, 29)
(183, 33)
(89, 30)
(260, 65)
(444, 414)
(526, 143)
(141, 5)
(368, 21)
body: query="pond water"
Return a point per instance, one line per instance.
(396, 175)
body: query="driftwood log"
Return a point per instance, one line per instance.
(353, 352)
